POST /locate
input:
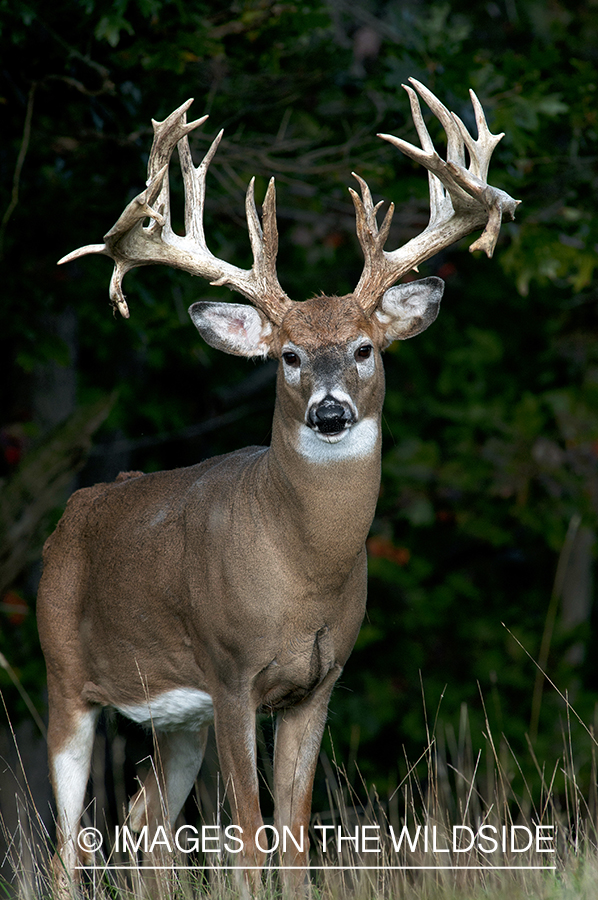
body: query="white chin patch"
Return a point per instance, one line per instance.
(354, 442)
(332, 438)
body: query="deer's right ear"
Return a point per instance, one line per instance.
(233, 327)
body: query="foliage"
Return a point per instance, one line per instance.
(491, 425)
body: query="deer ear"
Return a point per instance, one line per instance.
(407, 309)
(233, 327)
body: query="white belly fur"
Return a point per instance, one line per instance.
(181, 708)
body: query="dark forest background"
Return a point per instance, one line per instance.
(489, 499)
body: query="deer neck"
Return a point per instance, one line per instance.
(326, 493)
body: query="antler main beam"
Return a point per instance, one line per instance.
(461, 200)
(130, 243)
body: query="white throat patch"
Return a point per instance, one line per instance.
(359, 441)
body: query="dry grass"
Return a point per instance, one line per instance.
(451, 785)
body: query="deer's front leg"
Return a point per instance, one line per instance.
(299, 732)
(234, 725)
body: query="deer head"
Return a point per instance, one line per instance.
(362, 323)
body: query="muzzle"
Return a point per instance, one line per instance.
(330, 416)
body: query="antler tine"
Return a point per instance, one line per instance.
(438, 198)
(130, 244)
(370, 236)
(480, 151)
(268, 296)
(455, 150)
(460, 198)
(194, 181)
(264, 245)
(169, 133)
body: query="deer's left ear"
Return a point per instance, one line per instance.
(407, 309)
(233, 327)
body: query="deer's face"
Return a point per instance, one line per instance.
(330, 378)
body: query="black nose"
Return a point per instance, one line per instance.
(329, 416)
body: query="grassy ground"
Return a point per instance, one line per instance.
(432, 862)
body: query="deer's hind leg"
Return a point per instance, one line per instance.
(70, 742)
(72, 717)
(175, 767)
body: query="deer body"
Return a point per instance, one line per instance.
(175, 633)
(239, 584)
(225, 528)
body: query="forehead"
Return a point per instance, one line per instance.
(325, 321)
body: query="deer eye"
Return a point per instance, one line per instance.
(364, 352)
(291, 359)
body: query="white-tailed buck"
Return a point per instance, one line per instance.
(208, 593)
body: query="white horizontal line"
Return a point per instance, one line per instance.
(310, 868)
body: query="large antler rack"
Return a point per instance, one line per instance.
(461, 200)
(130, 243)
